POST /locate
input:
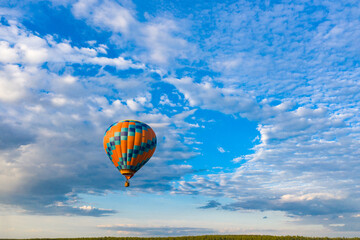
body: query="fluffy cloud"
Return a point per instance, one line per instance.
(304, 98)
(208, 96)
(46, 107)
(106, 14)
(159, 40)
(21, 46)
(7, 54)
(13, 81)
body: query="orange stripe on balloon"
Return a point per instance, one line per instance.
(139, 159)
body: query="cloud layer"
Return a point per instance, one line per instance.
(158, 231)
(54, 113)
(290, 67)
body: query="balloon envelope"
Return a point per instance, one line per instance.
(129, 145)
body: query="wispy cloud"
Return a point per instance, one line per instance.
(222, 150)
(211, 204)
(162, 39)
(158, 231)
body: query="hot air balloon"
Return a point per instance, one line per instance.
(129, 145)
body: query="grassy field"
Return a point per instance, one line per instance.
(210, 237)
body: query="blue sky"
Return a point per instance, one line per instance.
(255, 105)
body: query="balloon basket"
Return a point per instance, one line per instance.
(128, 174)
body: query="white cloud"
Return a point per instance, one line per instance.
(119, 63)
(309, 196)
(106, 14)
(65, 110)
(21, 46)
(26, 52)
(337, 225)
(88, 208)
(191, 141)
(13, 83)
(164, 100)
(7, 54)
(304, 98)
(69, 79)
(238, 159)
(59, 100)
(133, 105)
(32, 49)
(206, 95)
(220, 149)
(159, 40)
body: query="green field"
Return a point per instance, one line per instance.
(210, 237)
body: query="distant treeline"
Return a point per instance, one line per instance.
(210, 237)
